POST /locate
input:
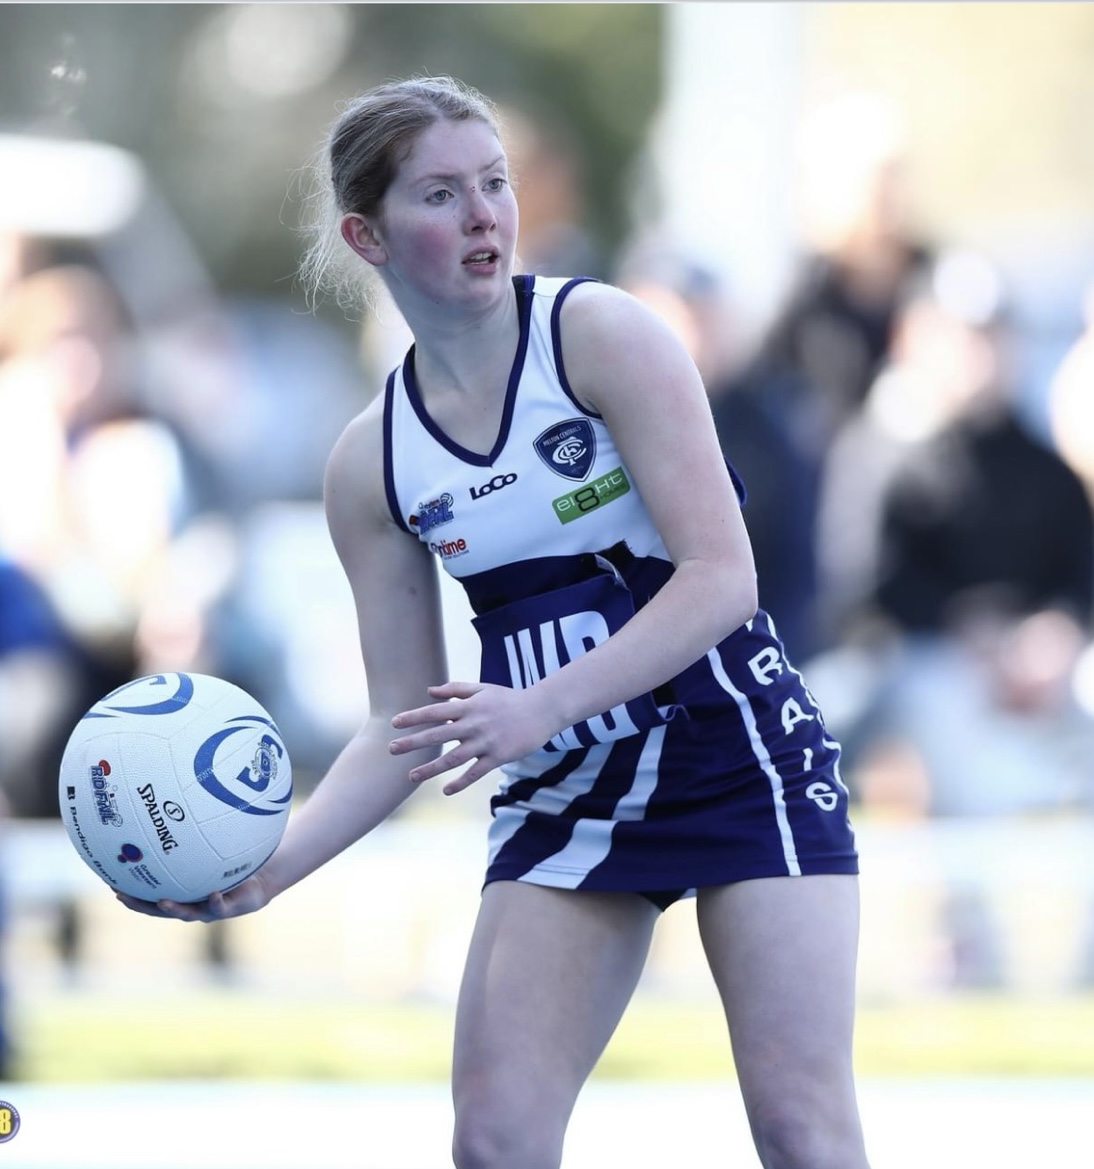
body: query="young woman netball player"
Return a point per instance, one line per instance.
(654, 741)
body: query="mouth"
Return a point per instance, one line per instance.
(484, 256)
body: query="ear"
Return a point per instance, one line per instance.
(360, 233)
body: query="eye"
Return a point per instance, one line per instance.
(439, 196)
(494, 184)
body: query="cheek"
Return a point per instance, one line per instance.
(509, 217)
(426, 243)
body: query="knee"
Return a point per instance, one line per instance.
(478, 1142)
(792, 1137)
(493, 1137)
(475, 1145)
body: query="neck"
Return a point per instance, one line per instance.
(463, 352)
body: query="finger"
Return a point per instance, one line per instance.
(214, 908)
(183, 912)
(455, 689)
(208, 910)
(434, 737)
(162, 909)
(217, 905)
(137, 905)
(201, 911)
(457, 757)
(472, 775)
(436, 712)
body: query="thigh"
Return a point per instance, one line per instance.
(548, 975)
(783, 953)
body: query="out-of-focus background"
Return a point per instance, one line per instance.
(873, 226)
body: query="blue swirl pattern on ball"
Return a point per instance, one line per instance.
(176, 702)
(256, 777)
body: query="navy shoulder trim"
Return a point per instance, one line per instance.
(556, 340)
(738, 483)
(389, 446)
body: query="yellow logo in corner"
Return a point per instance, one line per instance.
(9, 1121)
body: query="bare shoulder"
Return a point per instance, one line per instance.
(594, 311)
(613, 343)
(353, 486)
(390, 572)
(363, 434)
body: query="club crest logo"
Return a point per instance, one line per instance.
(568, 448)
(254, 789)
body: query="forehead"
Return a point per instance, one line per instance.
(451, 148)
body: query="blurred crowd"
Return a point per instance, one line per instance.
(137, 473)
(922, 515)
(924, 546)
(161, 464)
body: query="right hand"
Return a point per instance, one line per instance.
(490, 724)
(245, 897)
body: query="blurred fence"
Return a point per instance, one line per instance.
(1005, 904)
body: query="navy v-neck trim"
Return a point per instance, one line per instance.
(523, 286)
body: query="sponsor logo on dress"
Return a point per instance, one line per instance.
(568, 448)
(584, 500)
(495, 484)
(432, 514)
(541, 649)
(449, 549)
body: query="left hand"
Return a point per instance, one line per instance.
(246, 897)
(490, 725)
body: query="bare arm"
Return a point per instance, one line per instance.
(624, 362)
(398, 610)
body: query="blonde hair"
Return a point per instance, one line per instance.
(355, 166)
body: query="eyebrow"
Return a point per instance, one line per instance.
(433, 178)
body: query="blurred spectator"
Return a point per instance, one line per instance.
(259, 393)
(861, 249)
(548, 174)
(18, 255)
(781, 404)
(1071, 400)
(932, 367)
(39, 683)
(91, 486)
(752, 403)
(960, 549)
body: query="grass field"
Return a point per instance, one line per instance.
(232, 1034)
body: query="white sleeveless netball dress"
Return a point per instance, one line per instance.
(726, 773)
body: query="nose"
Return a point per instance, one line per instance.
(480, 214)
